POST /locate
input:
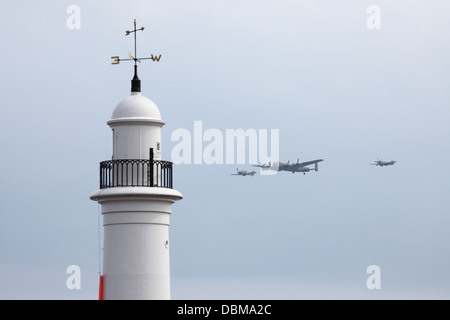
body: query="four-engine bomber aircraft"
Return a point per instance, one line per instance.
(382, 163)
(244, 173)
(291, 167)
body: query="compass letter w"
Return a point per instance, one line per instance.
(155, 58)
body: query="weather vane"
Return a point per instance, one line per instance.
(135, 83)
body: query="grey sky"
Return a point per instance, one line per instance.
(312, 69)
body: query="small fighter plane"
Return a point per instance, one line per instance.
(244, 173)
(292, 167)
(382, 163)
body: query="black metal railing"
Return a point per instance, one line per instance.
(135, 173)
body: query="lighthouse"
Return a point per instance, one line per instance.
(136, 195)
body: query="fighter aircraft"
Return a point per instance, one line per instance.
(382, 163)
(292, 167)
(244, 173)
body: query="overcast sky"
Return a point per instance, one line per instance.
(335, 88)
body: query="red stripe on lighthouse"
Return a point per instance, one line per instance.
(100, 289)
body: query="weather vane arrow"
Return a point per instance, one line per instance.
(135, 83)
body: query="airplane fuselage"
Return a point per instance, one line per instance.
(293, 167)
(384, 163)
(244, 173)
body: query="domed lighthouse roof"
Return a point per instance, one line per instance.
(136, 106)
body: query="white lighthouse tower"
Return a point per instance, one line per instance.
(136, 197)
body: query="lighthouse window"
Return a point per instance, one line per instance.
(158, 146)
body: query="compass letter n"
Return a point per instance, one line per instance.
(74, 20)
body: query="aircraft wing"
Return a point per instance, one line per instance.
(307, 163)
(261, 165)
